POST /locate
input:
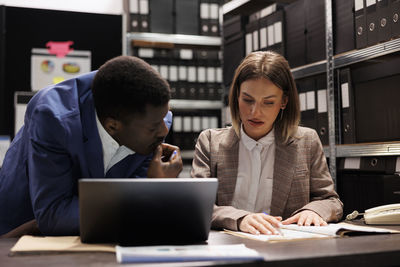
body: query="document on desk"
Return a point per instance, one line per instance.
(152, 254)
(295, 232)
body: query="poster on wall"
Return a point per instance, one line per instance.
(57, 63)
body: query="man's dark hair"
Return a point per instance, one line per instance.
(126, 85)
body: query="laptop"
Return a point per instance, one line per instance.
(146, 211)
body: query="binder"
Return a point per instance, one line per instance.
(315, 30)
(134, 17)
(204, 17)
(343, 26)
(187, 17)
(347, 107)
(295, 34)
(372, 22)
(213, 22)
(144, 15)
(233, 53)
(322, 109)
(394, 18)
(360, 23)
(376, 94)
(384, 25)
(161, 16)
(252, 36)
(306, 88)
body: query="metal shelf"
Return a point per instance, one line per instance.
(371, 149)
(246, 7)
(348, 58)
(195, 104)
(174, 38)
(366, 150)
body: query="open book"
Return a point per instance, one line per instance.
(295, 232)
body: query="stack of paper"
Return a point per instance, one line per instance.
(186, 253)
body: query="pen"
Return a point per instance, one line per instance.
(173, 155)
(277, 229)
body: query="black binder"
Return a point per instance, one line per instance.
(295, 34)
(384, 25)
(187, 17)
(233, 54)
(372, 22)
(306, 88)
(360, 23)
(315, 30)
(161, 16)
(213, 22)
(395, 17)
(346, 106)
(372, 183)
(343, 26)
(252, 28)
(144, 15)
(376, 95)
(204, 17)
(322, 109)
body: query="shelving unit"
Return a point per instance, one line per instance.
(328, 66)
(177, 41)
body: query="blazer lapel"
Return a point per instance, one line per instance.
(126, 167)
(91, 139)
(227, 166)
(284, 168)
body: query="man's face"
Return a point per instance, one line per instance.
(143, 132)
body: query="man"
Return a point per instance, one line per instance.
(102, 124)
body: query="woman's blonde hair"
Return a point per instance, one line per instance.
(274, 67)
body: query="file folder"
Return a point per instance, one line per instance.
(213, 22)
(384, 25)
(161, 16)
(347, 106)
(372, 22)
(204, 17)
(187, 17)
(376, 95)
(360, 23)
(134, 17)
(343, 26)
(144, 15)
(295, 34)
(315, 30)
(306, 88)
(322, 109)
(394, 18)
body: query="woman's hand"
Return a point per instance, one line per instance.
(256, 223)
(307, 218)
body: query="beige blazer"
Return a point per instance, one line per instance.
(301, 176)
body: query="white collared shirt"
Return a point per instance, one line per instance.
(253, 189)
(112, 151)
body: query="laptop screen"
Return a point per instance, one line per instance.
(146, 210)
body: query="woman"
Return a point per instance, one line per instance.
(270, 170)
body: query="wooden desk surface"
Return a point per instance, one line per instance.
(369, 250)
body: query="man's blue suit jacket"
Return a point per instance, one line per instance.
(58, 144)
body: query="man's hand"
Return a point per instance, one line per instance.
(307, 218)
(166, 163)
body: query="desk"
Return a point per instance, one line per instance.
(360, 251)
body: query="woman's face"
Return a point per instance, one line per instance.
(259, 104)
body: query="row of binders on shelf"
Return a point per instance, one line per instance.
(367, 95)
(366, 182)
(376, 21)
(193, 17)
(297, 30)
(186, 126)
(192, 74)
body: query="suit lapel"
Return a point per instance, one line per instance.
(91, 139)
(227, 166)
(284, 168)
(126, 167)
